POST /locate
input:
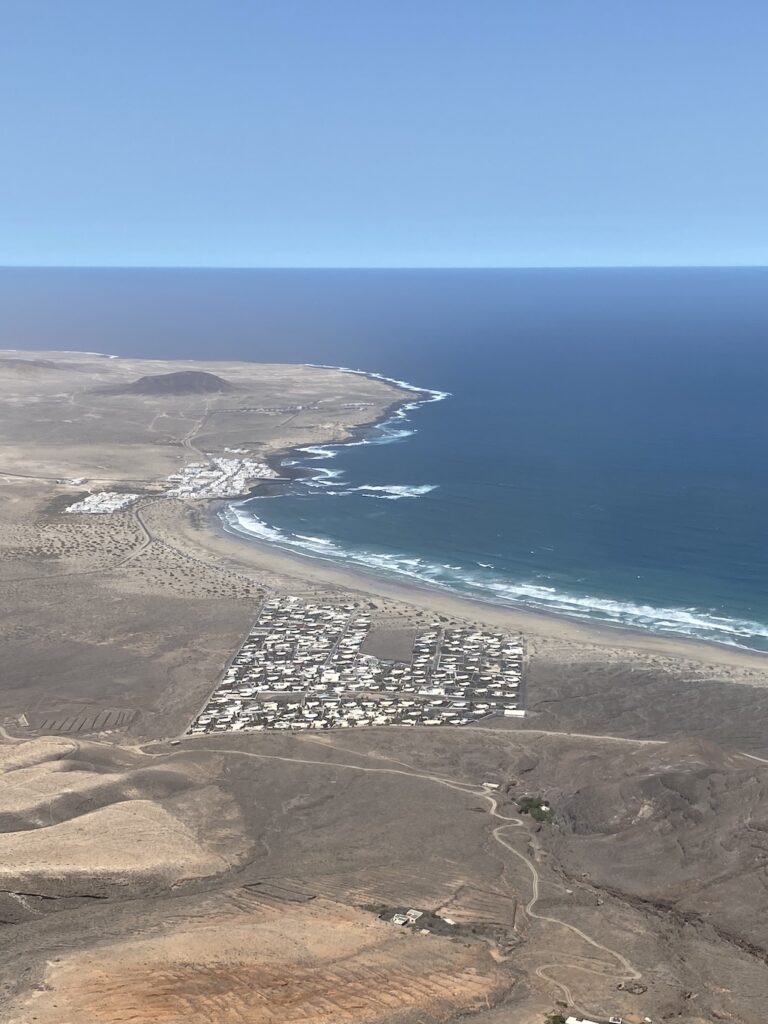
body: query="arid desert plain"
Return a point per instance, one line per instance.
(588, 840)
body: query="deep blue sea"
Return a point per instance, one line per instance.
(601, 450)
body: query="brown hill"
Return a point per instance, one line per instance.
(688, 836)
(183, 382)
(90, 820)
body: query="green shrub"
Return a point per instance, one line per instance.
(534, 805)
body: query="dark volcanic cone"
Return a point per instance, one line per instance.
(184, 382)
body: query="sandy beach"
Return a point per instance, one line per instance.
(539, 628)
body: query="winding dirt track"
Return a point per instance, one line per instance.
(135, 510)
(753, 757)
(616, 964)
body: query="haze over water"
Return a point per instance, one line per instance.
(602, 452)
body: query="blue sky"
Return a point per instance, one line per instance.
(383, 132)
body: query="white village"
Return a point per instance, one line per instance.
(302, 666)
(219, 478)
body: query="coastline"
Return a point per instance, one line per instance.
(135, 619)
(543, 631)
(354, 434)
(539, 623)
(120, 629)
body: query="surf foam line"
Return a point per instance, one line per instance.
(488, 586)
(388, 431)
(434, 396)
(392, 492)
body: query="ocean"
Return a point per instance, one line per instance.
(595, 444)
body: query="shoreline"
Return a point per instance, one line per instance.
(538, 622)
(328, 564)
(541, 628)
(355, 434)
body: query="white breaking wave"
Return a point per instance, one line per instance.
(385, 435)
(434, 396)
(694, 623)
(688, 621)
(315, 540)
(323, 477)
(389, 431)
(392, 492)
(319, 451)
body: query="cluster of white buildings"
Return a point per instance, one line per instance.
(462, 662)
(103, 502)
(219, 478)
(302, 667)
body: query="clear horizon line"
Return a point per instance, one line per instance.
(388, 267)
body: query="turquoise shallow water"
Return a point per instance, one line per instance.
(602, 452)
